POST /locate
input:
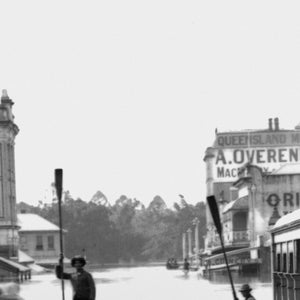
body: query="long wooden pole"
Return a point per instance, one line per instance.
(59, 188)
(216, 217)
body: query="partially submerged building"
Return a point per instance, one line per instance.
(254, 175)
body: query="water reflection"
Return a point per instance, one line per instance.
(144, 283)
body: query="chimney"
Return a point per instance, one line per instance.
(276, 124)
(270, 125)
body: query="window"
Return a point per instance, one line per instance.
(291, 257)
(284, 262)
(278, 257)
(291, 263)
(51, 242)
(284, 257)
(39, 242)
(297, 257)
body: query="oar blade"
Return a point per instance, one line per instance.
(214, 210)
(58, 183)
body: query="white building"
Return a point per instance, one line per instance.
(39, 239)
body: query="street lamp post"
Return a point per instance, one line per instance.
(189, 232)
(196, 223)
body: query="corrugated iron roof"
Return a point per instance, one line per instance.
(12, 264)
(33, 222)
(24, 258)
(240, 203)
(287, 219)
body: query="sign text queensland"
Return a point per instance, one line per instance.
(255, 139)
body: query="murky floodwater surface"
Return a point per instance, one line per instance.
(141, 283)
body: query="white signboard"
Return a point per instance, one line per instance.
(227, 162)
(257, 139)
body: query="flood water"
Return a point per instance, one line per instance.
(142, 283)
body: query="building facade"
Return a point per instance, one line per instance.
(8, 218)
(39, 238)
(10, 268)
(254, 175)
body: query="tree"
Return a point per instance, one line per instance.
(125, 231)
(129, 241)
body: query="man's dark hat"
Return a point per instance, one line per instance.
(245, 287)
(79, 258)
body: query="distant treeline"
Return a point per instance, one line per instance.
(124, 232)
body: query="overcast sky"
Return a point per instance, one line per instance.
(125, 96)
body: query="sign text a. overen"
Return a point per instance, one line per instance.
(257, 156)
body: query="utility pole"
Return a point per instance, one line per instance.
(189, 232)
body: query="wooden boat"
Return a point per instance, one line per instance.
(172, 266)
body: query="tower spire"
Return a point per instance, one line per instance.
(6, 104)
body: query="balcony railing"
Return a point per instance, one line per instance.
(240, 236)
(236, 238)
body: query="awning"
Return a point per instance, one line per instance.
(36, 269)
(233, 252)
(24, 258)
(12, 265)
(238, 204)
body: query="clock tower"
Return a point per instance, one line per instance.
(8, 216)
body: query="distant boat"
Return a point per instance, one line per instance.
(172, 264)
(172, 267)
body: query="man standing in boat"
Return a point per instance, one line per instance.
(186, 266)
(245, 291)
(82, 281)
